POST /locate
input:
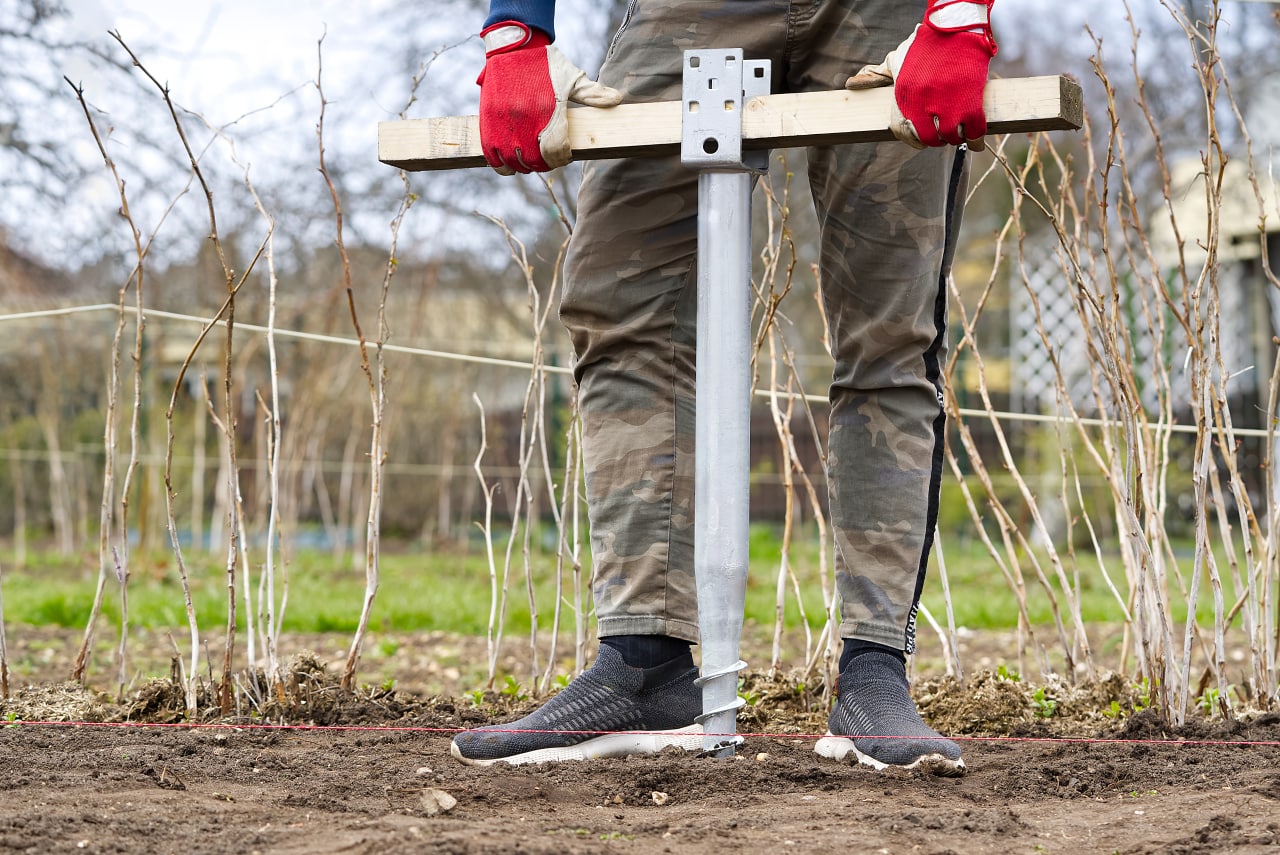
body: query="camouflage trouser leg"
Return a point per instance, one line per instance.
(630, 307)
(887, 241)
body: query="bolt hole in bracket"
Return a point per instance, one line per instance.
(717, 83)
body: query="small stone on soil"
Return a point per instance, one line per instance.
(437, 801)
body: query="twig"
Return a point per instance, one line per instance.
(497, 596)
(4, 649)
(107, 511)
(377, 392)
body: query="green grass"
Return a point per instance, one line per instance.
(441, 591)
(450, 591)
(983, 599)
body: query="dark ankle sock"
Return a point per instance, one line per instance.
(647, 651)
(855, 647)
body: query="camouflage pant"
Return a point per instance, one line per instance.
(888, 216)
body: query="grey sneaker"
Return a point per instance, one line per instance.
(609, 696)
(875, 719)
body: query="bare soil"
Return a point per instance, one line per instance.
(1037, 780)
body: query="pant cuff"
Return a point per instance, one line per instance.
(880, 633)
(647, 625)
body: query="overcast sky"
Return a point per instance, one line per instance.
(227, 55)
(245, 53)
(244, 50)
(225, 58)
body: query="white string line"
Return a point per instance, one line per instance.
(327, 339)
(53, 313)
(68, 454)
(1000, 415)
(446, 471)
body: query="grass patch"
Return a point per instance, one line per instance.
(449, 591)
(437, 591)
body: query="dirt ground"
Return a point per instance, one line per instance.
(1037, 782)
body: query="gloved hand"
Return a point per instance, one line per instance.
(938, 75)
(524, 93)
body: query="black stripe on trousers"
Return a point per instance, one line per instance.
(933, 371)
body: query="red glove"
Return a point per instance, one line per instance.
(939, 87)
(524, 93)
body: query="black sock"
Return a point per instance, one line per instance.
(647, 651)
(855, 647)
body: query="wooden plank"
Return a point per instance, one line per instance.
(1017, 105)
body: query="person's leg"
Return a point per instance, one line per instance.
(630, 306)
(888, 216)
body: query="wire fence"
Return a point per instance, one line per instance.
(524, 366)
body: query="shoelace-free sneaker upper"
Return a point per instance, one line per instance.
(875, 709)
(609, 696)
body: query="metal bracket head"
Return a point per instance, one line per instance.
(716, 85)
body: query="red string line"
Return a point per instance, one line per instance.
(1254, 743)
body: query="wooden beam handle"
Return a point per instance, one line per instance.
(1017, 105)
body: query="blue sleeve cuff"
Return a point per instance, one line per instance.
(535, 13)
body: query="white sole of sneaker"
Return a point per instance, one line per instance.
(839, 747)
(608, 745)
